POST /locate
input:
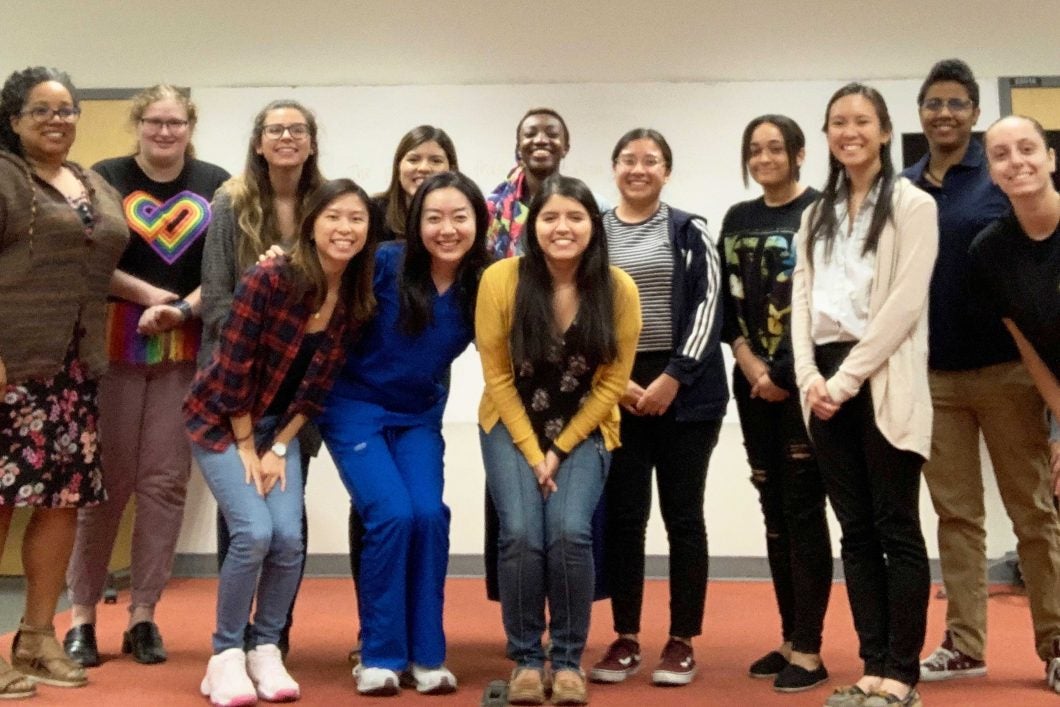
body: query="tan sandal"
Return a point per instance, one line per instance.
(38, 656)
(13, 684)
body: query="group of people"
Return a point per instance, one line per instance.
(155, 300)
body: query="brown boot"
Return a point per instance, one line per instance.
(37, 654)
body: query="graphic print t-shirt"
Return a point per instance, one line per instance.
(167, 225)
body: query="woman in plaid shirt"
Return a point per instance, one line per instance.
(279, 352)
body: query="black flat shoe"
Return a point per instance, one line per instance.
(145, 643)
(80, 645)
(795, 678)
(768, 665)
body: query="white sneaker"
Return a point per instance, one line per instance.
(378, 682)
(433, 681)
(227, 683)
(271, 679)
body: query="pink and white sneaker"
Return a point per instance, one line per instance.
(226, 682)
(271, 679)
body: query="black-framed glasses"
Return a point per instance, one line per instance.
(156, 124)
(42, 114)
(956, 105)
(275, 131)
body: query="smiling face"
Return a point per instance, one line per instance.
(1020, 163)
(447, 226)
(855, 135)
(563, 229)
(340, 231)
(641, 171)
(162, 138)
(947, 126)
(542, 144)
(768, 163)
(48, 140)
(286, 151)
(419, 163)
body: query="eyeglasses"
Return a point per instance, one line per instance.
(275, 131)
(956, 105)
(156, 124)
(649, 161)
(42, 114)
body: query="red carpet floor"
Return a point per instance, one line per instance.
(741, 625)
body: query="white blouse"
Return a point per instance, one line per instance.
(843, 276)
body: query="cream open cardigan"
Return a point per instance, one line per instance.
(892, 355)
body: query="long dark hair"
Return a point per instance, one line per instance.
(534, 326)
(356, 290)
(396, 201)
(417, 288)
(823, 223)
(16, 92)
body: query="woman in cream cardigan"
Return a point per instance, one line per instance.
(865, 253)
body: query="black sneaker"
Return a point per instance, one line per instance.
(794, 678)
(768, 666)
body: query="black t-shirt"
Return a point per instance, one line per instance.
(1022, 278)
(167, 220)
(757, 251)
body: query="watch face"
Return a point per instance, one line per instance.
(279, 449)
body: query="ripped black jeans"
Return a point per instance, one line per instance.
(784, 471)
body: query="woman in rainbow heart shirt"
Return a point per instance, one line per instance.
(153, 334)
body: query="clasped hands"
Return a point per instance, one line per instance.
(265, 471)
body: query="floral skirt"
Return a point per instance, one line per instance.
(49, 440)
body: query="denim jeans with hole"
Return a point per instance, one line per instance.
(264, 559)
(545, 547)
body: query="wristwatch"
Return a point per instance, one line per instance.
(184, 307)
(279, 449)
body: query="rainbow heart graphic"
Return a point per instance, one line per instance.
(171, 227)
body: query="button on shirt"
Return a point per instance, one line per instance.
(843, 275)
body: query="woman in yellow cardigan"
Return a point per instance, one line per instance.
(557, 331)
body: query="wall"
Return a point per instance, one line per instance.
(373, 68)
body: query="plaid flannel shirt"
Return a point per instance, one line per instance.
(258, 343)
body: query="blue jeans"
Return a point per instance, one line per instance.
(391, 463)
(264, 559)
(545, 547)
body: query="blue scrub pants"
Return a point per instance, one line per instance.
(391, 464)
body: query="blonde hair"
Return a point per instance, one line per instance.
(161, 92)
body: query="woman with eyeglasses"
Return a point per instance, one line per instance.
(671, 408)
(865, 252)
(252, 212)
(758, 254)
(153, 335)
(61, 235)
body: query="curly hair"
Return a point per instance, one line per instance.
(14, 95)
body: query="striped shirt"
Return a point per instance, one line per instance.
(644, 251)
